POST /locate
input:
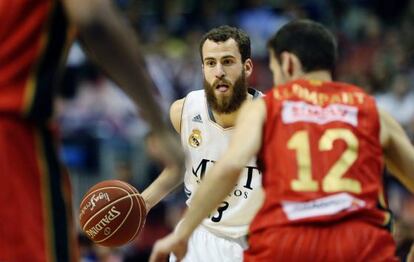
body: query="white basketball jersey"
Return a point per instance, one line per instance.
(205, 141)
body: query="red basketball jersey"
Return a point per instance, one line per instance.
(33, 36)
(321, 156)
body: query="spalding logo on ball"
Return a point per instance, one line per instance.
(112, 213)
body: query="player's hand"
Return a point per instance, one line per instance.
(164, 146)
(169, 244)
(410, 256)
(147, 206)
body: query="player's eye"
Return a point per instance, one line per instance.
(210, 63)
(227, 62)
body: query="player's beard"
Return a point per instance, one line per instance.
(227, 104)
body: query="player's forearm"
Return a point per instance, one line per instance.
(398, 150)
(400, 160)
(167, 181)
(215, 187)
(115, 48)
(405, 180)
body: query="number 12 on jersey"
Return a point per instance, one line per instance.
(333, 181)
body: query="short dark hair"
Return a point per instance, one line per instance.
(225, 32)
(310, 41)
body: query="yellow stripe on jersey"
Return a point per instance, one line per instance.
(381, 199)
(46, 198)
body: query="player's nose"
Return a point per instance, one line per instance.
(219, 71)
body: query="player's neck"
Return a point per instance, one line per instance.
(321, 75)
(225, 120)
(228, 120)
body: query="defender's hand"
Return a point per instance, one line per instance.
(169, 244)
(164, 146)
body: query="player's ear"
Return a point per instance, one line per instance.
(291, 65)
(296, 69)
(286, 64)
(248, 67)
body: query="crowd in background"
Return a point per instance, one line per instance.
(103, 136)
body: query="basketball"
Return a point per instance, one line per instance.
(112, 213)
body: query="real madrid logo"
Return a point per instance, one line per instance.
(195, 138)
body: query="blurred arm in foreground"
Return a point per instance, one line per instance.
(113, 45)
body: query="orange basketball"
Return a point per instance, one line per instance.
(112, 213)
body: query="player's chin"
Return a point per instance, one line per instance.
(222, 101)
(222, 95)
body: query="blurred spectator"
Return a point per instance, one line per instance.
(399, 102)
(260, 22)
(86, 249)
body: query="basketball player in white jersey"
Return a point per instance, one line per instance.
(205, 120)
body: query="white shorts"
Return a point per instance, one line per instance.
(204, 246)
